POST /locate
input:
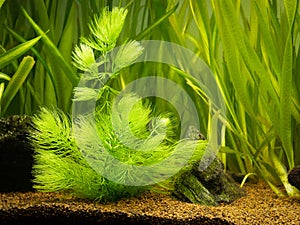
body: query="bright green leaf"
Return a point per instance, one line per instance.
(152, 26)
(1, 2)
(291, 7)
(17, 51)
(4, 76)
(16, 82)
(54, 51)
(286, 101)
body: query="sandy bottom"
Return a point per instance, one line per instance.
(258, 206)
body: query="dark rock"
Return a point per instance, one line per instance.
(208, 187)
(294, 177)
(15, 154)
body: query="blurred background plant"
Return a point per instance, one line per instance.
(61, 24)
(252, 47)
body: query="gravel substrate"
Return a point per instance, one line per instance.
(258, 206)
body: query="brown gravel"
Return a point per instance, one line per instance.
(258, 206)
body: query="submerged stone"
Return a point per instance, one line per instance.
(15, 154)
(294, 177)
(208, 187)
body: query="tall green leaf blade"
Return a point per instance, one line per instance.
(291, 7)
(245, 49)
(1, 93)
(286, 101)
(16, 82)
(296, 85)
(42, 13)
(224, 19)
(201, 18)
(67, 42)
(253, 25)
(1, 2)
(269, 45)
(40, 59)
(180, 22)
(17, 51)
(156, 23)
(54, 51)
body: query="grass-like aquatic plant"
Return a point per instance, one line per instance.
(15, 81)
(61, 24)
(253, 49)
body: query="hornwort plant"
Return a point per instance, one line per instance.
(136, 136)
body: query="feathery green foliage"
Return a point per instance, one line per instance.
(125, 131)
(60, 166)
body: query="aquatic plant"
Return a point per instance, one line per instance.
(83, 162)
(60, 166)
(252, 48)
(61, 24)
(16, 80)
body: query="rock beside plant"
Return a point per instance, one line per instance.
(15, 154)
(294, 177)
(208, 187)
